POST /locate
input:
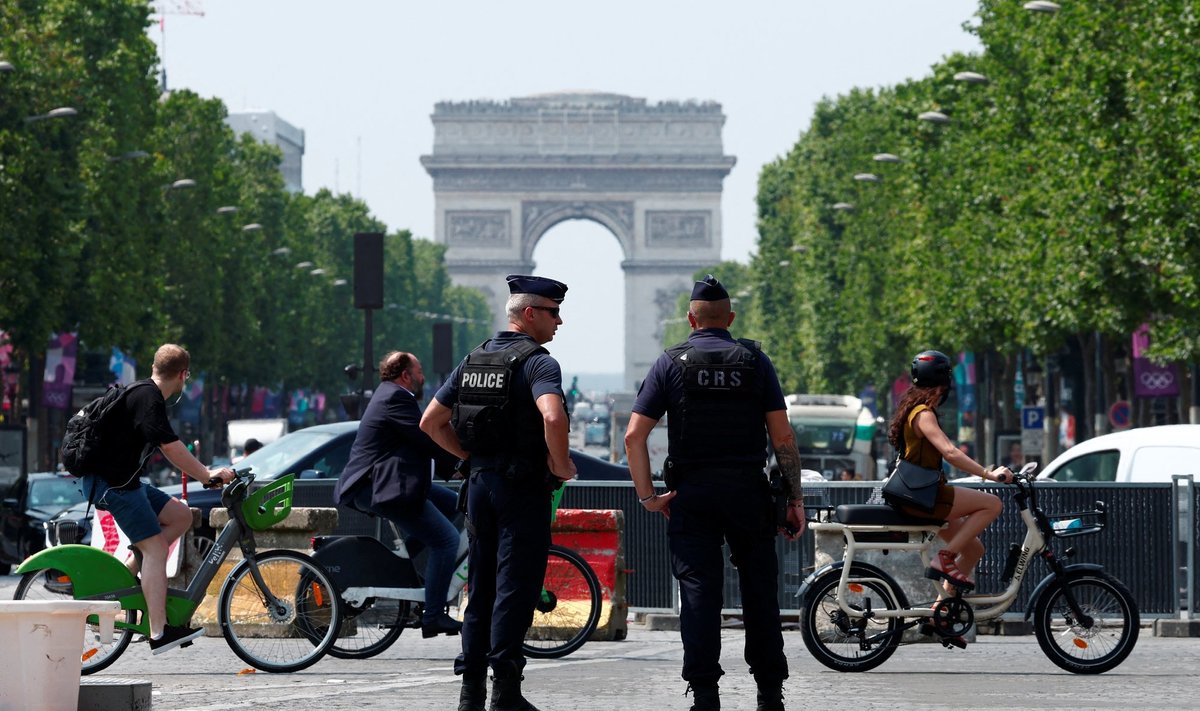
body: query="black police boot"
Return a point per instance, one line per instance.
(506, 695)
(705, 697)
(770, 694)
(473, 695)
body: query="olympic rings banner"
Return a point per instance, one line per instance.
(1150, 380)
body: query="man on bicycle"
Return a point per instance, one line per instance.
(388, 475)
(150, 518)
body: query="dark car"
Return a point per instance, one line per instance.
(317, 453)
(30, 502)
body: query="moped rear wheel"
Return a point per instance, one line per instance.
(1087, 646)
(845, 642)
(289, 629)
(371, 628)
(55, 585)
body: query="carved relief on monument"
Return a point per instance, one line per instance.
(478, 228)
(666, 301)
(678, 228)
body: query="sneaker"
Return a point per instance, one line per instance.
(174, 636)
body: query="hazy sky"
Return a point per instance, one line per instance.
(368, 73)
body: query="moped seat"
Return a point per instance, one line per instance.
(879, 515)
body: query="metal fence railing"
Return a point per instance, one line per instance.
(1140, 545)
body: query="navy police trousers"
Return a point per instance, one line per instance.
(733, 506)
(508, 524)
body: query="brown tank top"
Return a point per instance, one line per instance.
(917, 449)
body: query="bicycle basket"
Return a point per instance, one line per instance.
(1079, 523)
(270, 504)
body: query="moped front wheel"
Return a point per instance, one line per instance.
(1098, 640)
(847, 642)
(289, 625)
(56, 585)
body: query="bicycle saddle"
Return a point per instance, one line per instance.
(879, 515)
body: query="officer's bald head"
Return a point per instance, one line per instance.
(711, 314)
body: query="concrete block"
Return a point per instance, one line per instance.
(1176, 628)
(110, 693)
(292, 533)
(1006, 628)
(662, 622)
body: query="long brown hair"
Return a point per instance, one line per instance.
(915, 395)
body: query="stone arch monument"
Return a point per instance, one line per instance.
(504, 173)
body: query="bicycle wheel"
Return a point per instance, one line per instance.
(371, 628)
(293, 631)
(568, 611)
(54, 585)
(1087, 648)
(844, 642)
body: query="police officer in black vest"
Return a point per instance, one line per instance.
(503, 408)
(724, 402)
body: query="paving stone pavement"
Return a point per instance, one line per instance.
(641, 673)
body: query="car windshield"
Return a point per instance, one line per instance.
(53, 494)
(280, 456)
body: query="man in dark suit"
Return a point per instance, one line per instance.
(389, 474)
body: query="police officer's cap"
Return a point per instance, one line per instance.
(709, 289)
(556, 291)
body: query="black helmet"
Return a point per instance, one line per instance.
(930, 369)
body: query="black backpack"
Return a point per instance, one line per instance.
(81, 445)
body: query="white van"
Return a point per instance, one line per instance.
(1144, 454)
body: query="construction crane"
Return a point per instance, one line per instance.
(162, 8)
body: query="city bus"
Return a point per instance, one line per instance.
(833, 432)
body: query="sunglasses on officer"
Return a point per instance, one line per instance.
(552, 310)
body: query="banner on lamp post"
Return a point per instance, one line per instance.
(1149, 379)
(59, 376)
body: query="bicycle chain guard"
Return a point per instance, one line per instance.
(952, 617)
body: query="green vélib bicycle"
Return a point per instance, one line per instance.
(277, 609)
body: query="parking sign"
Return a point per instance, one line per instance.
(1033, 418)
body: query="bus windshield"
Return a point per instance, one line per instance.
(824, 437)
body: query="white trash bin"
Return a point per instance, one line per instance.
(41, 645)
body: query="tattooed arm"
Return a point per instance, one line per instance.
(783, 439)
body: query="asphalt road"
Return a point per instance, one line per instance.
(642, 673)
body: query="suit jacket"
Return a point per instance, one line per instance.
(391, 454)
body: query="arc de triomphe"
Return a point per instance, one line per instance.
(504, 173)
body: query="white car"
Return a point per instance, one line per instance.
(1144, 454)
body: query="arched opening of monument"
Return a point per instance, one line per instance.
(591, 342)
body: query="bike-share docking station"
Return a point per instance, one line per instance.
(41, 662)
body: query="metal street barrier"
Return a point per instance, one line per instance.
(1142, 545)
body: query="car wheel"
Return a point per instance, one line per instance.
(200, 546)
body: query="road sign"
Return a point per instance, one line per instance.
(1119, 415)
(1033, 420)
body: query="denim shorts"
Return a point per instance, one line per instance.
(135, 510)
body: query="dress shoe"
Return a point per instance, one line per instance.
(442, 624)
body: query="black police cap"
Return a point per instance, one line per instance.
(556, 291)
(709, 289)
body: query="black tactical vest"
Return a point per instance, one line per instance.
(720, 416)
(491, 417)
